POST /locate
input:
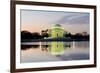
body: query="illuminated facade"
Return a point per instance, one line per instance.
(57, 31)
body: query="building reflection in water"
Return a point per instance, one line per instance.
(57, 48)
(54, 48)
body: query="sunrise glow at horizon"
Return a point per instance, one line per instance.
(38, 20)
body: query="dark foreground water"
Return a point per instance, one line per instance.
(54, 51)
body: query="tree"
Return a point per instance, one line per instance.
(44, 33)
(26, 35)
(29, 35)
(36, 35)
(67, 34)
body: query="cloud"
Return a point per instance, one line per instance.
(74, 18)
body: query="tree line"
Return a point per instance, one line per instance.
(35, 35)
(46, 34)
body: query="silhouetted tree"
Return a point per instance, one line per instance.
(29, 35)
(44, 33)
(67, 34)
(36, 35)
(26, 35)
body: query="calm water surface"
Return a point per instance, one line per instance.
(54, 51)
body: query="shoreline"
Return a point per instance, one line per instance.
(52, 40)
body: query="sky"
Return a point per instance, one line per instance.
(36, 20)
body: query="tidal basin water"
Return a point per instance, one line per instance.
(54, 51)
